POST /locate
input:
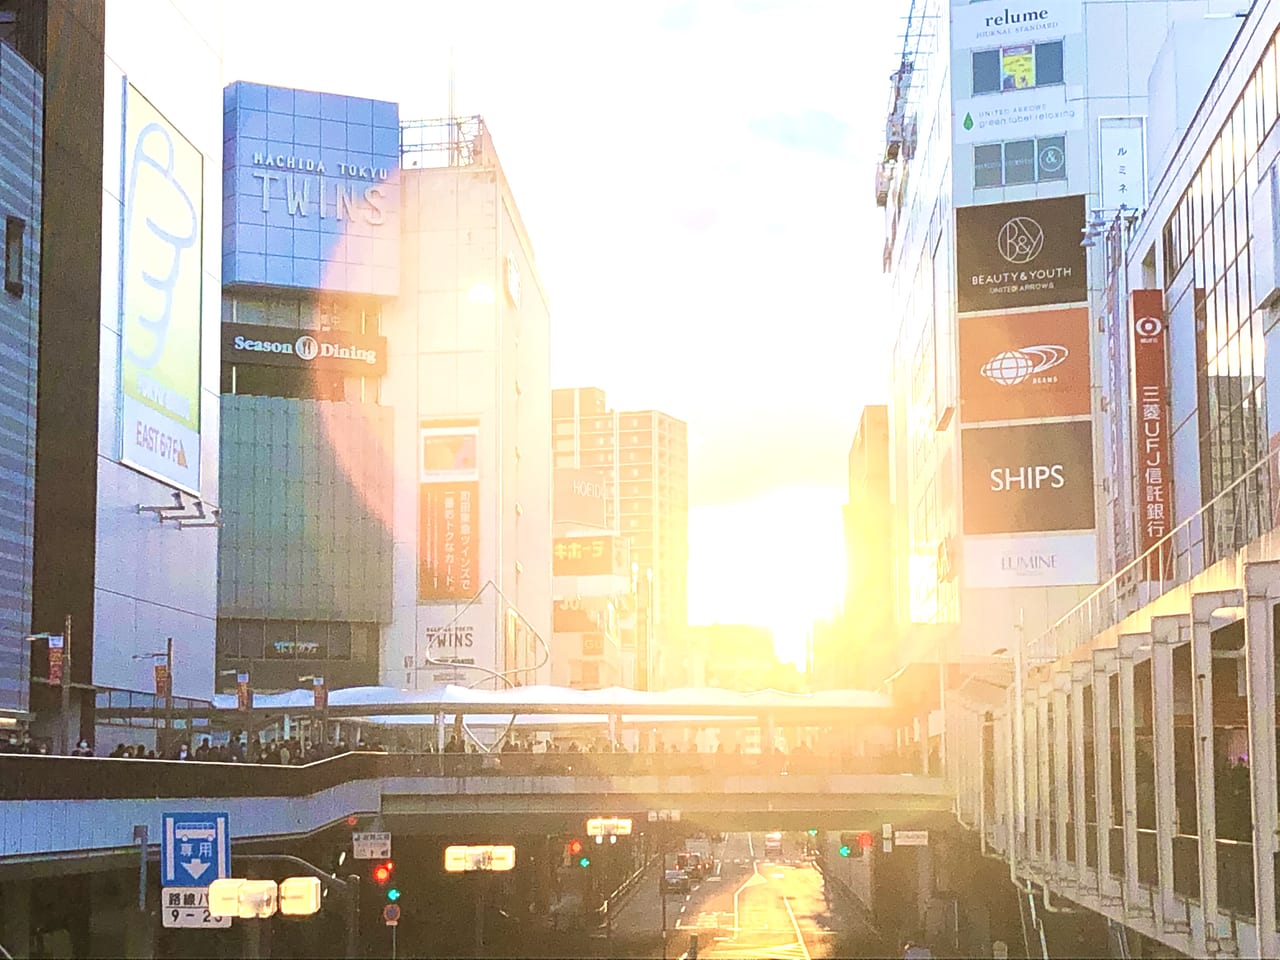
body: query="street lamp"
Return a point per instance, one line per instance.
(166, 689)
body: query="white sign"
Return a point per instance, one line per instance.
(1034, 560)
(461, 859)
(609, 827)
(1019, 114)
(911, 838)
(188, 907)
(371, 846)
(1122, 158)
(998, 23)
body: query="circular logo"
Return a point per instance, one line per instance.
(1011, 367)
(1148, 326)
(306, 347)
(1020, 240)
(1051, 160)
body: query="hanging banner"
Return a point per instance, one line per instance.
(55, 661)
(244, 693)
(1151, 411)
(1122, 162)
(164, 681)
(320, 692)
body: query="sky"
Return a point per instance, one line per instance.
(697, 181)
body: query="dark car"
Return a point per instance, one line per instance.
(675, 881)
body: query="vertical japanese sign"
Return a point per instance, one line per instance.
(160, 297)
(244, 693)
(1151, 409)
(320, 692)
(164, 682)
(449, 493)
(1122, 155)
(55, 661)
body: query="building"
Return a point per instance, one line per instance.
(126, 427)
(644, 456)
(21, 145)
(1007, 132)
(386, 401)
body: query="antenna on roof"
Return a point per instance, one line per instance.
(453, 129)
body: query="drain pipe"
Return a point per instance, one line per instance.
(1044, 897)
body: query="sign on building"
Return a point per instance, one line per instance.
(1151, 413)
(371, 846)
(195, 849)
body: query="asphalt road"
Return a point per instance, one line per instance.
(752, 907)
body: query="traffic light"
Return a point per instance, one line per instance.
(866, 841)
(393, 894)
(846, 844)
(575, 847)
(813, 831)
(382, 872)
(584, 862)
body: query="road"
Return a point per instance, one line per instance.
(751, 907)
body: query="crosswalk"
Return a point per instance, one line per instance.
(717, 920)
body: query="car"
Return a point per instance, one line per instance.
(675, 881)
(692, 864)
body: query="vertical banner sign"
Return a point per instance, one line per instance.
(55, 661)
(449, 497)
(244, 693)
(1151, 409)
(1122, 159)
(160, 298)
(320, 692)
(164, 682)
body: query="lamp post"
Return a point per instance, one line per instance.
(165, 690)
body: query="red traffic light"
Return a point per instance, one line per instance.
(575, 847)
(865, 840)
(382, 872)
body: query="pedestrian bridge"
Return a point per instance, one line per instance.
(68, 809)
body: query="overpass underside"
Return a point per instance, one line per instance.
(1131, 767)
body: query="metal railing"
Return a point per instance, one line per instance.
(1239, 515)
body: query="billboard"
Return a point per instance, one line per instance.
(997, 23)
(1151, 408)
(448, 542)
(311, 190)
(586, 556)
(1019, 114)
(1021, 254)
(1021, 366)
(354, 353)
(449, 451)
(161, 271)
(579, 497)
(1028, 477)
(1049, 560)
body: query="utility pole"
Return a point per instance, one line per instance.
(168, 700)
(64, 746)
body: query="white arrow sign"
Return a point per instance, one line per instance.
(196, 868)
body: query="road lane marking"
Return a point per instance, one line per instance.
(799, 935)
(751, 881)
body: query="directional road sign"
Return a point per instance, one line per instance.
(195, 849)
(371, 846)
(188, 907)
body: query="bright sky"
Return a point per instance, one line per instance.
(697, 181)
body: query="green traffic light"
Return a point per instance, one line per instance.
(393, 894)
(813, 832)
(844, 849)
(584, 862)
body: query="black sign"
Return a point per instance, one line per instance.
(1032, 477)
(354, 353)
(1023, 254)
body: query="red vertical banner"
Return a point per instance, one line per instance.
(447, 550)
(1151, 422)
(164, 682)
(320, 692)
(55, 661)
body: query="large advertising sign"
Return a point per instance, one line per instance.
(355, 353)
(1021, 254)
(1028, 477)
(1020, 366)
(995, 23)
(312, 190)
(579, 497)
(161, 297)
(1019, 114)
(448, 510)
(584, 556)
(449, 451)
(1151, 409)
(1049, 560)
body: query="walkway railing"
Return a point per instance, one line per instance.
(1237, 516)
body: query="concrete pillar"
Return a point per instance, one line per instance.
(439, 725)
(1081, 672)
(1202, 607)
(1103, 661)
(1012, 832)
(15, 921)
(1062, 791)
(1030, 774)
(1044, 778)
(1000, 828)
(1262, 583)
(1129, 645)
(1166, 634)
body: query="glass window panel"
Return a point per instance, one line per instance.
(1049, 63)
(1051, 158)
(1240, 195)
(1250, 99)
(1268, 90)
(251, 639)
(986, 71)
(340, 641)
(1229, 152)
(1020, 162)
(988, 165)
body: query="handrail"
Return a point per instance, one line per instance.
(1168, 563)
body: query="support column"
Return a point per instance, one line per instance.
(1081, 671)
(1166, 634)
(1000, 767)
(1103, 661)
(1062, 791)
(1260, 664)
(1128, 649)
(1031, 774)
(1202, 607)
(440, 740)
(1011, 801)
(1044, 778)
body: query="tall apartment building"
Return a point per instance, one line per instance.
(644, 458)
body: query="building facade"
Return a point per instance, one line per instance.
(21, 147)
(644, 457)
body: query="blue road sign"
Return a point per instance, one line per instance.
(195, 849)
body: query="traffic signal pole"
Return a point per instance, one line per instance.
(349, 888)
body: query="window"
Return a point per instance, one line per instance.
(1020, 161)
(1018, 67)
(14, 254)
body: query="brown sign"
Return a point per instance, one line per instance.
(164, 681)
(321, 693)
(1021, 254)
(1024, 366)
(1151, 412)
(584, 556)
(55, 661)
(448, 541)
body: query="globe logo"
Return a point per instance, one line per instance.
(1012, 367)
(1020, 240)
(306, 347)
(1148, 326)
